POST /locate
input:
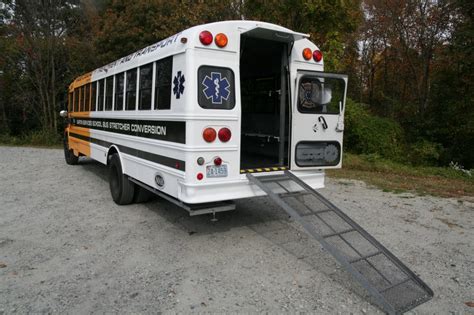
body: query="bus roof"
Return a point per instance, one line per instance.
(171, 46)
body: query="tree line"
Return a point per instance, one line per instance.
(410, 62)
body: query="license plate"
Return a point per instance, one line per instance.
(216, 171)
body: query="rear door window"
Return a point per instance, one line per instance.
(320, 95)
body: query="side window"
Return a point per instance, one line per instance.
(70, 102)
(88, 97)
(163, 83)
(100, 101)
(93, 96)
(144, 97)
(109, 90)
(76, 100)
(216, 88)
(83, 98)
(131, 97)
(119, 85)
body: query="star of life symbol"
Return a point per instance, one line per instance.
(178, 83)
(217, 88)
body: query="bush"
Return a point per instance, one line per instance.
(366, 133)
(424, 152)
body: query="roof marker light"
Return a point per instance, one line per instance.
(307, 54)
(317, 55)
(205, 37)
(221, 40)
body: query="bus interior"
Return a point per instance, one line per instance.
(265, 102)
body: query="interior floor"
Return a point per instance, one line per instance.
(261, 77)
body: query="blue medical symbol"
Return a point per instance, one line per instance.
(178, 83)
(217, 88)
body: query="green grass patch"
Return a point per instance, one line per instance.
(399, 178)
(35, 139)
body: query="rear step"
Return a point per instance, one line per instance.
(395, 288)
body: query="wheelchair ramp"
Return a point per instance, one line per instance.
(394, 287)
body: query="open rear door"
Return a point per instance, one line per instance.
(318, 120)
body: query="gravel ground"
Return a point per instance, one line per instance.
(65, 247)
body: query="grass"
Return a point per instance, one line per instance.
(399, 178)
(40, 139)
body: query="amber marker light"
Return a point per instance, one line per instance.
(307, 54)
(221, 40)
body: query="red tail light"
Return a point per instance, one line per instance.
(307, 54)
(200, 176)
(209, 134)
(225, 134)
(205, 37)
(317, 55)
(221, 40)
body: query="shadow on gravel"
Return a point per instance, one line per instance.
(261, 216)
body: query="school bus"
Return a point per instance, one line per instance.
(188, 117)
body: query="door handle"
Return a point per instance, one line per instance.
(323, 122)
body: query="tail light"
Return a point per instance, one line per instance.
(225, 134)
(205, 37)
(209, 134)
(317, 55)
(221, 40)
(200, 176)
(217, 161)
(307, 54)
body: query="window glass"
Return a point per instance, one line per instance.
(216, 88)
(119, 86)
(109, 90)
(131, 97)
(163, 83)
(88, 97)
(83, 98)
(100, 101)
(76, 100)
(93, 95)
(146, 76)
(70, 102)
(320, 95)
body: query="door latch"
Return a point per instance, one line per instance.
(323, 122)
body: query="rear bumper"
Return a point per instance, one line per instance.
(238, 189)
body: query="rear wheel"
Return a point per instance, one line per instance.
(69, 156)
(142, 195)
(121, 188)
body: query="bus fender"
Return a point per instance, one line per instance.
(113, 149)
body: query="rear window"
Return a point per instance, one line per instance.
(320, 95)
(216, 88)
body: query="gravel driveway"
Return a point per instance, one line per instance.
(66, 247)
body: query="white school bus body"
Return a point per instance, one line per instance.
(161, 147)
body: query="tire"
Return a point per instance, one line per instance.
(142, 195)
(121, 189)
(69, 156)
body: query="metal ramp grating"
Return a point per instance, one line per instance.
(394, 287)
